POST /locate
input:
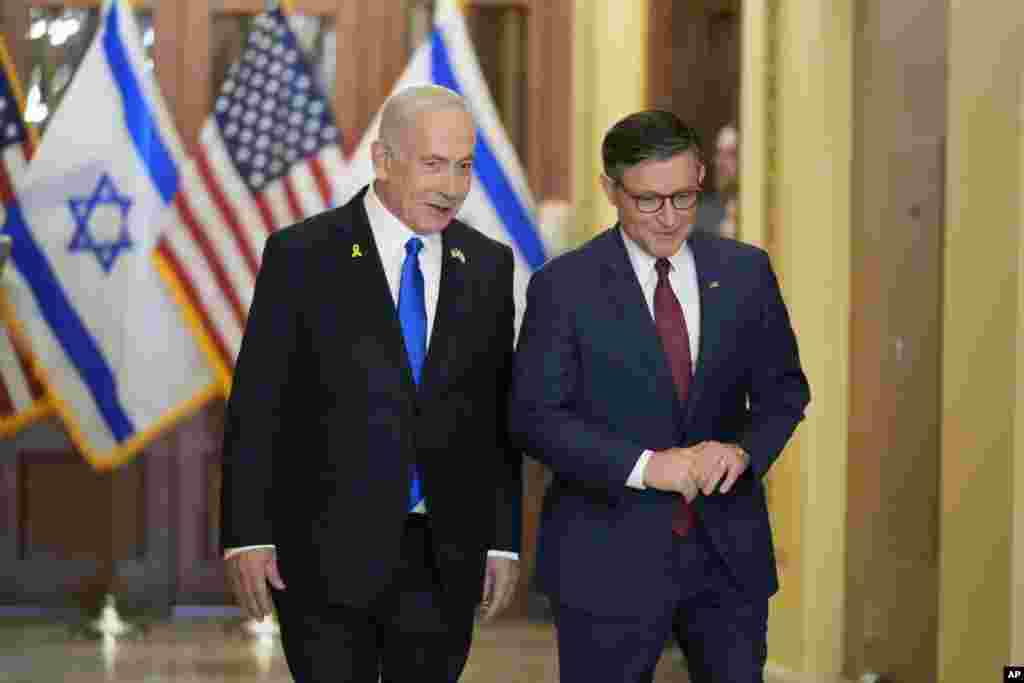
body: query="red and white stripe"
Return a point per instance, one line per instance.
(20, 392)
(14, 162)
(216, 243)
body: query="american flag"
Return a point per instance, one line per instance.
(22, 398)
(268, 157)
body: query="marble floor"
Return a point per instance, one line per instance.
(510, 650)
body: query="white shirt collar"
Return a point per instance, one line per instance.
(643, 263)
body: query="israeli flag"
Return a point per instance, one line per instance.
(500, 203)
(119, 360)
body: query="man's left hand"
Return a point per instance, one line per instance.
(499, 585)
(720, 462)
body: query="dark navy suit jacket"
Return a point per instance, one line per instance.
(592, 390)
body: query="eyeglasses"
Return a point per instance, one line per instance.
(652, 203)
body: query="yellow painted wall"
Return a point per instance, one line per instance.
(981, 347)
(811, 251)
(754, 103)
(609, 82)
(1017, 625)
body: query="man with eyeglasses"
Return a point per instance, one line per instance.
(657, 375)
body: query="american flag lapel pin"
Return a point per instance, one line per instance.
(357, 251)
(457, 254)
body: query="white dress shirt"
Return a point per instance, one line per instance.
(391, 235)
(682, 277)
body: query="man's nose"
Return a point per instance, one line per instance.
(454, 182)
(667, 214)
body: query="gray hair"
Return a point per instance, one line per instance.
(402, 108)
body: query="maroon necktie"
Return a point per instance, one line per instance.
(671, 324)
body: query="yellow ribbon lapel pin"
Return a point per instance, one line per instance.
(357, 251)
(457, 254)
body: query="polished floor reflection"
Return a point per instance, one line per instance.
(197, 651)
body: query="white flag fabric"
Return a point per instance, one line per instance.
(120, 363)
(500, 203)
(268, 156)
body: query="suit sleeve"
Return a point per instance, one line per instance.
(509, 485)
(256, 418)
(778, 391)
(545, 415)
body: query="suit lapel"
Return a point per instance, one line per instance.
(620, 283)
(371, 285)
(453, 301)
(711, 288)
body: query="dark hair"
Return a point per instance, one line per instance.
(646, 135)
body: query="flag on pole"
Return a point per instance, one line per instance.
(268, 157)
(500, 203)
(120, 365)
(22, 397)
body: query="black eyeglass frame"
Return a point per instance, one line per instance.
(688, 199)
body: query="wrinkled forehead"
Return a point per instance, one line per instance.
(448, 131)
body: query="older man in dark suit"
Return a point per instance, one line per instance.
(367, 474)
(657, 375)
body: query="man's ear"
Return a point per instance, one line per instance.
(608, 185)
(381, 156)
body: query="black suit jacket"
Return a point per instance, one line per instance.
(592, 389)
(324, 418)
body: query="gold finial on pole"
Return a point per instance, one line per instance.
(286, 6)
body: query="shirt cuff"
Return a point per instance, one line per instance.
(503, 553)
(636, 477)
(231, 552)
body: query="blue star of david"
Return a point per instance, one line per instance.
(83, 208)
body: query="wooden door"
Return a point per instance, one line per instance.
(69, 535)
(694, 64)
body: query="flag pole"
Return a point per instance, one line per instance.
(5, 250)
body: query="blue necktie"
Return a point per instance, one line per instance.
(412, 314)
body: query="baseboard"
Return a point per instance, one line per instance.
(67, 614)
(206, 612)
(776, 673)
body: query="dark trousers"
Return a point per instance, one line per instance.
(407, 635)
(722, 633)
